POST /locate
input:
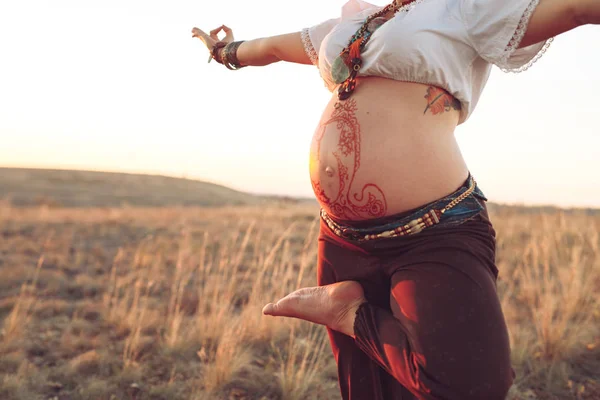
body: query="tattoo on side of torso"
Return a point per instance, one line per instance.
(342, 201)
(439, 101)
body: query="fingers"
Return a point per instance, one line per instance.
(199, 33)
(214, 33)
(228, 34)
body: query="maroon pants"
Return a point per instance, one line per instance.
(432, 327)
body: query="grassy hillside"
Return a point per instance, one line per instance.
(65, 188)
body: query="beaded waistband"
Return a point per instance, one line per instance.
(428, 219)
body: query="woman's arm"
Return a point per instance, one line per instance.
(258, 52)
(588, 11)
(553, 17)
(264, 51)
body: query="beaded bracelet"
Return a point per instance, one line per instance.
(215, 52)
(230, 59)
(228, 56)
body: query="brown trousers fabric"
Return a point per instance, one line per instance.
(432, 327)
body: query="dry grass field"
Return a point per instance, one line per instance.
(165, 303)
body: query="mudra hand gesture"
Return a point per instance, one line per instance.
(212, 39)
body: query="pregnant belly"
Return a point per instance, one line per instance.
(370, 159)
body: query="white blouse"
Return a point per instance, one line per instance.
(451, 44)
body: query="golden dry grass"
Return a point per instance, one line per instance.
(165, 303)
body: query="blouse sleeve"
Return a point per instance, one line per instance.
(496, 28)
(314, 35)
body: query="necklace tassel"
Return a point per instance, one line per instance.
(355, 48)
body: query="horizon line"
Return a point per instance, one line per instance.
(259, 194)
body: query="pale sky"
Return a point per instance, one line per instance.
(122, 86)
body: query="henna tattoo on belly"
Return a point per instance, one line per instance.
(342, 201)
(439, 101)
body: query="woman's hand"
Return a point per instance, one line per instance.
(212, 39)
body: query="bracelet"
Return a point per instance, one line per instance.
(229, 58)
(215, 51)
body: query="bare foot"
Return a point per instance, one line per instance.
(331, 305)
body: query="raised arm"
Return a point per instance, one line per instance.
(553, 17)
(287, 47)
(262, 51)
(588, 11)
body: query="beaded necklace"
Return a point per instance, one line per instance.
(346, 66)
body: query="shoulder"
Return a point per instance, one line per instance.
(353, 8)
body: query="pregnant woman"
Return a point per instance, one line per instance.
(406, 262)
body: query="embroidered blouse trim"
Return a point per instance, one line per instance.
(515, 42)
(308, 47)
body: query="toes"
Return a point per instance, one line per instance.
(289, 306)
(269, 309)
(286, 307)
(305, 303)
